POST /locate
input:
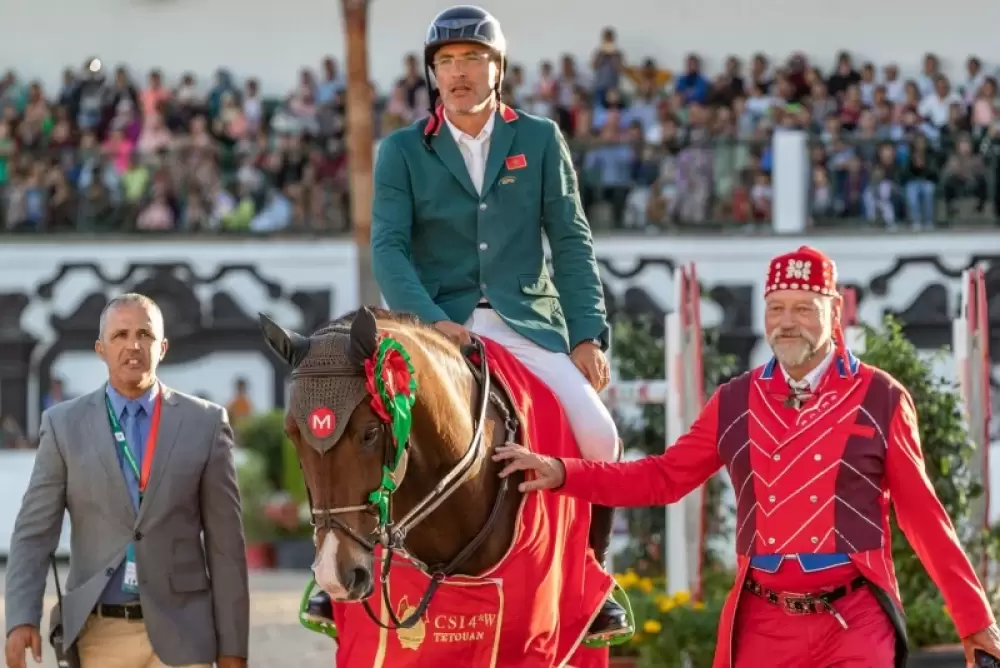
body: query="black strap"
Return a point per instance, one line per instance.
(55, 575)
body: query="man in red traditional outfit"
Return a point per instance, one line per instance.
(816, 444)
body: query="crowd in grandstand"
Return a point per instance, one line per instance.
(655, 147)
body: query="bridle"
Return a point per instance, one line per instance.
(391, 536)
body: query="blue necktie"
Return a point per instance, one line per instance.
(134, 411)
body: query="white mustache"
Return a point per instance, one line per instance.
(778, 333)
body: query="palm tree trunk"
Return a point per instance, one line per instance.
(360, 142)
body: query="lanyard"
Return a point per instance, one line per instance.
(119, 434)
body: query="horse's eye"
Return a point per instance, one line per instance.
(371, 434)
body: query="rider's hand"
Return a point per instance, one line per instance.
(549, 472)
(454, 331)
(225, 661)
(19, 640)
(592, 363)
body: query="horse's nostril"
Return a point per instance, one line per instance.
(361, 580)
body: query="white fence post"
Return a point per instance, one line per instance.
(970, 340)
(680, 392)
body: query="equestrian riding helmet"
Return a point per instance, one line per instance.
(464, 24)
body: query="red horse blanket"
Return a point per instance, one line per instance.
(529, 611)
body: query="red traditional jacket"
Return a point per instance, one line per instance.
(816, 481)
(533, 609)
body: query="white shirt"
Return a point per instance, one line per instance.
(474, 150)
(935, 108)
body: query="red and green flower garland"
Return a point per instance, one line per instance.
(390, 382)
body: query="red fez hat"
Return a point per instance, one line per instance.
(812, 271)
(803, 269)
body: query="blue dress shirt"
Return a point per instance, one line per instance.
(135, 417)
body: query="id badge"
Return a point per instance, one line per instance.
(130, 581)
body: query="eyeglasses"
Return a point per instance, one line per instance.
(468, 60)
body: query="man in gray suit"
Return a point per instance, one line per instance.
(158, 572)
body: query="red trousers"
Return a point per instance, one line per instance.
(766, 635)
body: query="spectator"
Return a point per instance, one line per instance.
(964, 175)
(331, 83)
(894, 86)
(56, 394)
(654, 147)
(414, 84)
(920, 178)
(882, 196)
(155, 96)
(843, 77)
(607, 63)
(692, 85)
(927, 81)
(240, 407)
(984, 107)
(935, 105)
(974, 81)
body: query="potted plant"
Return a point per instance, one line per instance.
(672, 630)
(286, 509)
(947, 456)
(264, 434)
(255, 490)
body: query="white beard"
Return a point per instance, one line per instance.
(792, 353)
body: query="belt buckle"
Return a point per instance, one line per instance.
(796, 604)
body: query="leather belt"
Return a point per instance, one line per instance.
(806, 604)
(484, 305)
(128, 612)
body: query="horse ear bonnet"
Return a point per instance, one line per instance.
(364, 338)
(337, 352)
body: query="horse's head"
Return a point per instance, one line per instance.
(352, 435)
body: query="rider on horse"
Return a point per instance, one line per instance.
(457, 240)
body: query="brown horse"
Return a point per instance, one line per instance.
(451, 482)
(430, 492)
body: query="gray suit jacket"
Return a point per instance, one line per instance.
(194, 592)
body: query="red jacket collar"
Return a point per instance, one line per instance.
(508, 114)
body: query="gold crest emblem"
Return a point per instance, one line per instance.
(413, 637)
(507, 180)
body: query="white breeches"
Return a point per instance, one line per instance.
(592, 425)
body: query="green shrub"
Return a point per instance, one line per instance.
(948, 452)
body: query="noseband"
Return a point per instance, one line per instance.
(391, 536)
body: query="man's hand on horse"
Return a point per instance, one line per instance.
(454, 331)
(592, 363)
(549, 472)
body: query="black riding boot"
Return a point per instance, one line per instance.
(611, 621)
(320, 608)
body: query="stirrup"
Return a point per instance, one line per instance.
(620, 597)
(323, 627)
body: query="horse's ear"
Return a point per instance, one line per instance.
(289, 346)
(364, 337)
